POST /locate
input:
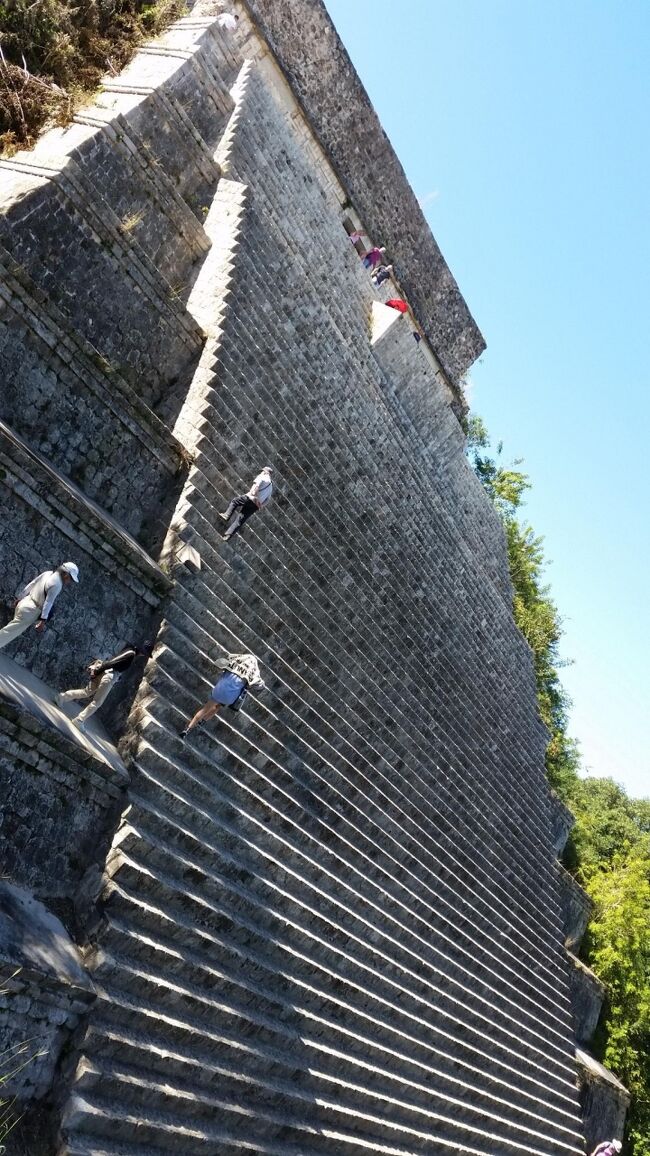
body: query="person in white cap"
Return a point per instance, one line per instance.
(35, 602)
(608, 1148)
(248, 504)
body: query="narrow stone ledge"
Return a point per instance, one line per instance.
(576, 908)
(587, 995)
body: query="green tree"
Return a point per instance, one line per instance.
(534, 611)
(609, 849)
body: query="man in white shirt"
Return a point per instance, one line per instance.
(244, 506)
(35, 602)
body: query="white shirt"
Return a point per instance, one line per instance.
(247, 667)
(227, 20)
(261, 489)
(43, 591)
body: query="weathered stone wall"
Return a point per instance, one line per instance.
(85, 420)
(59, 808)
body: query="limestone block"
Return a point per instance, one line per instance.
(576, 908)
(189, 557)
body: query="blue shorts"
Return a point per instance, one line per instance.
(227, 688)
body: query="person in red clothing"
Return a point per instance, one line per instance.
(373, 257)
(395, 303)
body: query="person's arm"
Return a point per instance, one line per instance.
(256, 486)
(52, 590)
(102, 667)
(258, 684)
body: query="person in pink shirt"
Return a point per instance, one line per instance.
(608, 1148)
(373, 257)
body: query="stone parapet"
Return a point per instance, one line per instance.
(603, 1100)
(73, 408)
(58, 808)
(576, 908)
(562, 820)
(325, 83)
(587, 995)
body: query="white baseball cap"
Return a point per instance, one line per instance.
(72, 569)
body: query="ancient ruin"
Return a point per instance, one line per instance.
(333, 922)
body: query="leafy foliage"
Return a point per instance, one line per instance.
(54, 52)
(534, 610)
(610, 853)
(609, 849)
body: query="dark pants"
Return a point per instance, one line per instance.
(245, 507)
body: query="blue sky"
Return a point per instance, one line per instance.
(523, 127)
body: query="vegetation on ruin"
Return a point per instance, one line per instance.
(53, 54)
(609, 848)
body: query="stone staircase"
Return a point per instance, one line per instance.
(330, 923)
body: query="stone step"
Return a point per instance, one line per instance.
(208, 672)
(162, 1122)
(256, 564)
(250, 1055)
(275, 888)
(482, 509)
(259, 642)
(287, 1101)
(254, 531)
(400, 914)
(58, 391)
(249, 960)
(193, 480)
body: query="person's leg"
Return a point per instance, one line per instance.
(236, 504)
(25, 614)
(99, 697)
(202, 715)
(74, 695)
(247, 510)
